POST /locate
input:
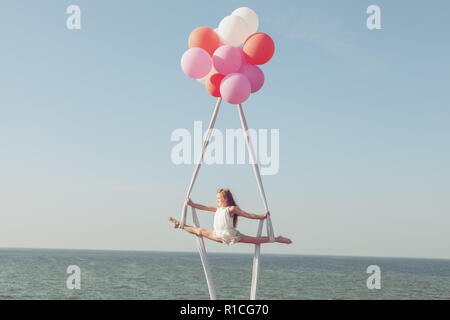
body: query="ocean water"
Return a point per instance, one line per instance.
(42, 274)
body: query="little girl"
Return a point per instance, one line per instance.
(225, 221)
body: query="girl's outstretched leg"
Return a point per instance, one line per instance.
(194, 230)
(260, 240)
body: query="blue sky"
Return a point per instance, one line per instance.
(86, 118)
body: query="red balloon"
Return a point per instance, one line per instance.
(205, 38)
(259, 48)
(213, 84)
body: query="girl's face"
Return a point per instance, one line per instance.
(221, 200)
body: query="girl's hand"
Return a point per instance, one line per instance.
(189, 202)
(265, 215)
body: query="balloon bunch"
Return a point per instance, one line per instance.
(226, 59)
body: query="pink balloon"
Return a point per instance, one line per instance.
(244, 61)
(196, 63)
(227, 59)
(254, 75)
(235, 88)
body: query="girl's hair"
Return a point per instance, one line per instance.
(226, 193)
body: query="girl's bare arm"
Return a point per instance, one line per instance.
(199, 206)
(239, 212)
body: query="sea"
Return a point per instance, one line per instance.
(145, 275)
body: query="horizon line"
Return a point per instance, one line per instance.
(225, 253)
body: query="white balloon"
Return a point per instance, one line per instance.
(249, 16)
(205, 78)
(233, 30)
(221, 43)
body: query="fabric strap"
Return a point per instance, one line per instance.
(204, 258)
(200, 242)
(199, 161)
(256, 256)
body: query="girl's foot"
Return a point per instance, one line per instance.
(281, 239)
(176, 223)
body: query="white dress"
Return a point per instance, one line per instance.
(223, 227)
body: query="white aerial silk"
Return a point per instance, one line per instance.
(200, 243)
